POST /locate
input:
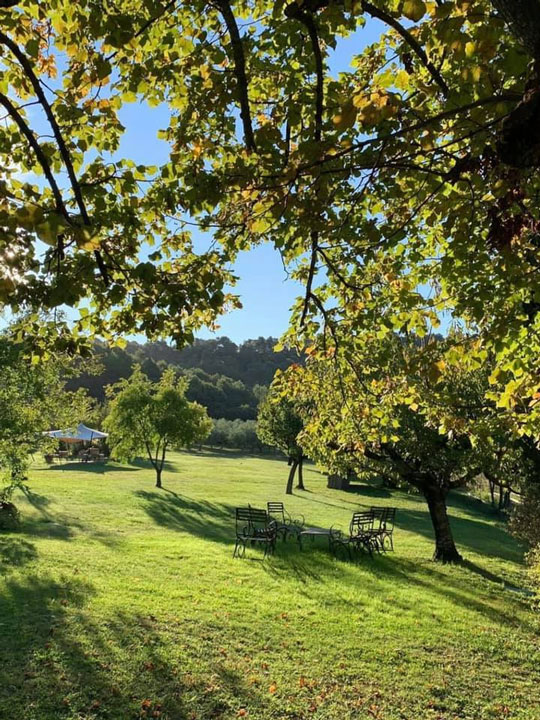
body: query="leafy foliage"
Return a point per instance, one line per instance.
(146, 417)
(399, 189)
(279, 424)
(379, 412)
(32, 400)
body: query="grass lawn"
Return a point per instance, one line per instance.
(121, 601)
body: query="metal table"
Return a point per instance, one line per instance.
(314, 532)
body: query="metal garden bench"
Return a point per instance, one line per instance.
(254, 526)
(383, 526)
(285, 524)
(361, 535)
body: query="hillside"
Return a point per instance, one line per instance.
(224, 377)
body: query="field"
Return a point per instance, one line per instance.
(121, 601)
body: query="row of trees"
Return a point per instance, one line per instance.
(228, 379)
(436, 434)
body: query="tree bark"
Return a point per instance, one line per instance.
(291, 477)
(445, 547)
(300, 483)
(158, 477)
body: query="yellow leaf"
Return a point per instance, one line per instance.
(273, 688)
(346, 118)
(414, 9)
(470, 49)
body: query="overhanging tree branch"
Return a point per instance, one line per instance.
(64, 152)
(411, 41)
(240, 71)
(40, 155)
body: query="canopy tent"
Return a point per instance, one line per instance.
(81, 434)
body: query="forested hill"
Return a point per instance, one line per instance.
(225, 377)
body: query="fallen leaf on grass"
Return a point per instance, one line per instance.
(272, 689)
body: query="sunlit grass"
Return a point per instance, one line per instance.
(122, 601)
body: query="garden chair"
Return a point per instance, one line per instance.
(360, 537)
(254, 526)
(285, 524)
(384, 518)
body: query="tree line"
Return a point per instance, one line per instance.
(228, 379)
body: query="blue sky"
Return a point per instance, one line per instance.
(265, 291)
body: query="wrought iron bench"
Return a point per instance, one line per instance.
(361, 535)
(383, 526)
(254, 526)
(285, 524)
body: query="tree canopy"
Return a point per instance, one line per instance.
(408, 176)
(150, 418)
(381, 414)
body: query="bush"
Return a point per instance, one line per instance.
(9, 515)
(235, 434)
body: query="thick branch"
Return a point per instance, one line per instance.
(311, 275)
(411, 41)
(40, 155)
(240, 71)
(64, 152)
(295, 11)
(523, 17)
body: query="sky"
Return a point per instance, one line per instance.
(264, 289)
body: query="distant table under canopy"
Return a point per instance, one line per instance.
(81, 434)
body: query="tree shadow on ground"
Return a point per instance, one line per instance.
(468, 585)
(59, 661)
(94, 468)
(210, 521)
(215, 452)
(15, 552)
(376, 491)
(49, 525)
(477, 534)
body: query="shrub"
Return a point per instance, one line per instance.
(9, 515)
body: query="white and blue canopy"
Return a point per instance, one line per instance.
(81, 434)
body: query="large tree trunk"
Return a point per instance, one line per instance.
(291, 477)
(300, 484)
(158, 477)
(445, 548)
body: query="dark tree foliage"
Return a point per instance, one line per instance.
(226, 378)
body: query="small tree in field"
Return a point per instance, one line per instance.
(153, 417)
(279, 424)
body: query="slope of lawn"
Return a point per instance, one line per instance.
(121, 601)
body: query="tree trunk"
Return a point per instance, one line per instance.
(300, 484)
(158, 477)
(291, 477)
(445, 548)
(492, 492)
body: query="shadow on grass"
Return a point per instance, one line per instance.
(15, 552)
(96, 468)
(56, 661)
(211, 521)
(52, 526)
(478, 533)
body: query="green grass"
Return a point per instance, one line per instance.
(121, 601)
